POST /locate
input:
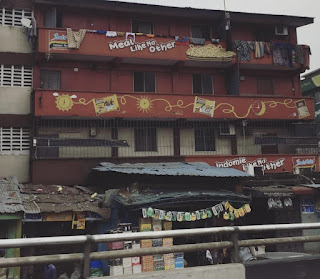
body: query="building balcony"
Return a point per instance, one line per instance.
(144, 49)
(65, 104)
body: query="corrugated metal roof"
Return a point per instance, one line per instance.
(315, 186)
(47, 198)
(10, 199)
(137, 200)
(171, 169)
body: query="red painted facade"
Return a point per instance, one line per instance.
(97, 82)
(89, 104)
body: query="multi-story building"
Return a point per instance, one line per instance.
(123, 82)
(15, 88)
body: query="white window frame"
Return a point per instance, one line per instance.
(14, 141)
(15, 76)
(13, 17)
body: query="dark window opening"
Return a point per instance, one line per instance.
(144, 27)
(50, 80)
(53, 17)
(270, 148)
(265, 86)
(145, 139)
(204, 139)
(202, 84)
(144, 82)
(200, 31)
(265, 34)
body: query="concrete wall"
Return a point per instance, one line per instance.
(15, 165)
(230, 271)
(14, 39)
(15, 100)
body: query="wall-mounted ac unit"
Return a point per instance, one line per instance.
(281, 30)
(227, 129)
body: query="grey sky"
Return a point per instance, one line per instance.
(306, 35)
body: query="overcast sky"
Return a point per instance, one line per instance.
(309, 34)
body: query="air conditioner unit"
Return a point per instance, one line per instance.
(281, 30)
(227, 129)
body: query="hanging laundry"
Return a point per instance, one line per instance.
(100, 31)
(75, 38)
(139, 34)
(111, 34)
(32, 30)
(267, 48)
(282, 54)
(259, 49)
(197, 41)
(150, 35)
(243, 50)
(182, 41)
(299, 54)
(131, 36)
(215, 41)
(120, 34)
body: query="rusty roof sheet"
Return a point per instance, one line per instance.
(47, 198)
(10, 199)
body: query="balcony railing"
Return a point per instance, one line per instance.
(135, 105)
(162, 50)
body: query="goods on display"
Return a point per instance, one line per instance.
(222, 210)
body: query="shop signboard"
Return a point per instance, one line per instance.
(307, 205)
(304, 161)
(32, 217)
(57, 217)
(79, 221)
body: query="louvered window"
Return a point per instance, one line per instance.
(14, 141)
(13, 17)
(15, 75)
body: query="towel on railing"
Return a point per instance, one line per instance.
(75, 38)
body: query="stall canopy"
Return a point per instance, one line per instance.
(171, 169)
(169, 198)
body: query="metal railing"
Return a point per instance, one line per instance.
(89, 240)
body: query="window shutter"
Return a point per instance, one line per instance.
(15, 76)
(13, 17)
(14, 141)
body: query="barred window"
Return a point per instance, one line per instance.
(13, 17)
(204, 139)
(145, 139)
(15, 76)
(14, 141)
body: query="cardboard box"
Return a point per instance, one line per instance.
(178, 263)
(167, 242)
(146, 243)
(157, 242)
(157, 258)
(156, 225)
(115, 262)
(168, 256)
(116, 270)
(136, 246)
(167, 226)
(137, 268)
(127, 270)
(169, 267)
(147, 259)
(115, 245)
(135, 260)
(126, 262)
(178, 255)
(145, 225)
